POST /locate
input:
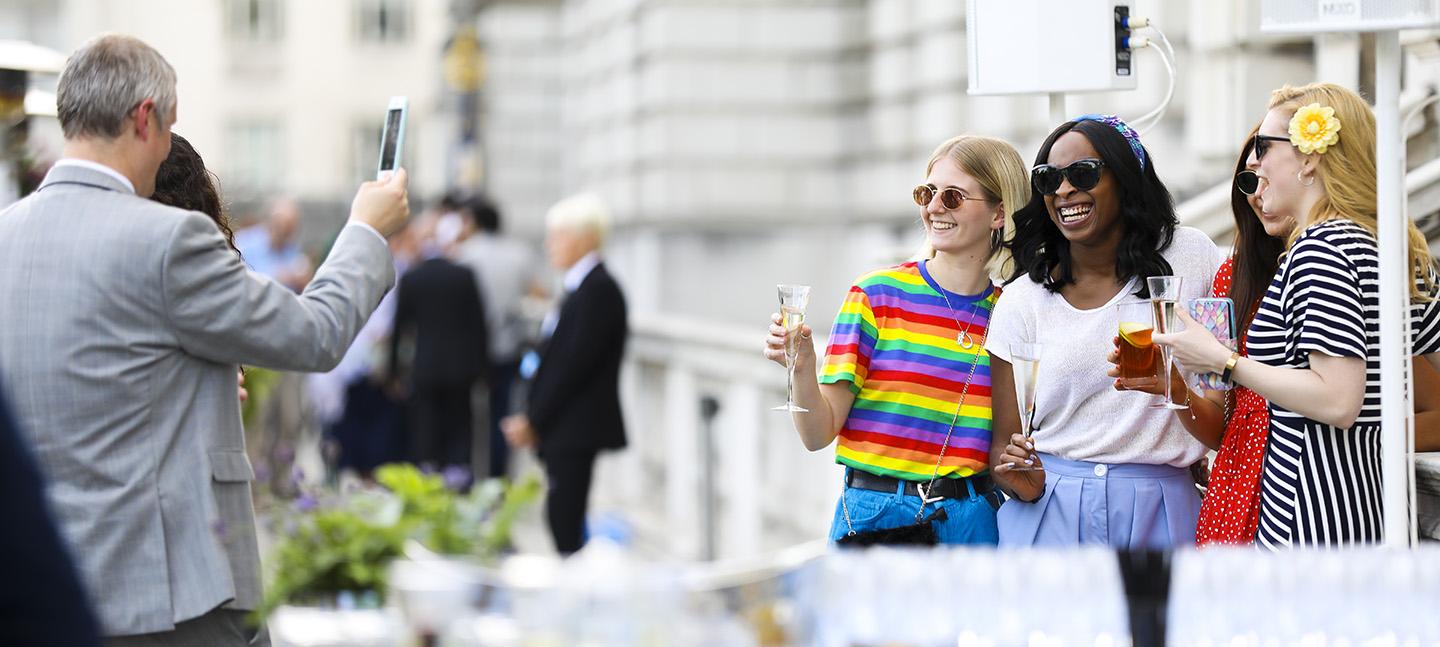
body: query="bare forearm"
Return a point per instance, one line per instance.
(828, 407)
(1427, 431)
(1330, 397)
(1205, 419)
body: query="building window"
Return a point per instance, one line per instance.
(383, 21)
(365, 142)
(255, 157)
(254, 20)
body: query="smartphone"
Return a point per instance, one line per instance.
(392, 139)
(1218, 316)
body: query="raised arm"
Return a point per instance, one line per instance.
(220, 311)
(828, 404)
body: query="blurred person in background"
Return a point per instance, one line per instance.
(573, 408)
(440, 315)
(272, 248)
(42, 602)
(125, 321)
(274, 434)
(1113, 470)
(905, 385)
(363, 420)
(506, 271)
(1317, 326)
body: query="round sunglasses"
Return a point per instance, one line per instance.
(1083, 175)
(950, 196)
(1247, 181)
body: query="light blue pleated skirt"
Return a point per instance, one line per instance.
(1122, 506)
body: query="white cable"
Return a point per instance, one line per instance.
(1166, 51)
(1151, 118)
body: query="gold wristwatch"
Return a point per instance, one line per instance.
(1228, 374)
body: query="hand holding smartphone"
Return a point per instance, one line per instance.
(1218, 316)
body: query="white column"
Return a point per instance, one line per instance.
(1396, 414)
(738, 437)
(1337, 59)
(682, 469)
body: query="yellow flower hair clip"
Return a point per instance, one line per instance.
(1314, 129)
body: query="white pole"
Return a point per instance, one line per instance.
(1395, 410)
(1057, 109)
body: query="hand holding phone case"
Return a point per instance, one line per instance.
(1218, 316)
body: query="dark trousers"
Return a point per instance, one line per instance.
(370, 431)
(568, 474)
(502, 378)
(219, 627)
(442, 421)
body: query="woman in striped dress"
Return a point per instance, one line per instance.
(905, 385)
(1314, 342)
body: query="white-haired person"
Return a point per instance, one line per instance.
(573, 409)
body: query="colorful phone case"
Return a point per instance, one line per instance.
(1218, 316)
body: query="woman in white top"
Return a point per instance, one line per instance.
(1113, 470)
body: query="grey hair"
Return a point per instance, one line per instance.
(583, 213)
(105, 79)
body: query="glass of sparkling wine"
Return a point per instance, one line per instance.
(1164, 299)
(1025, 364)
(793, 300)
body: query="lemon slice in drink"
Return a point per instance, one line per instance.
(1136, 334)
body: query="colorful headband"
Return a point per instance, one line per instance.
(1132, 137)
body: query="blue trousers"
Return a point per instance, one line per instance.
(968, 521)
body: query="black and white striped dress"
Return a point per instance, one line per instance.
(1321, 484)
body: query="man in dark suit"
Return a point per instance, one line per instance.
(438, 306)
(44, 604)
(574, 400)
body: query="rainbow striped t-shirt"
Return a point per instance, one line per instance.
(895, 342)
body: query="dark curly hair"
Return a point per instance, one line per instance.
(1147, 213)
(184, 182)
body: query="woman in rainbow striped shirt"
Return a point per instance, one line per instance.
(905, 385)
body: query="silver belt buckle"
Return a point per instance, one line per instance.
(925, 498)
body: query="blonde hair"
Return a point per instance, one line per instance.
(584, 213)
(1347, 172)
(1002, 175)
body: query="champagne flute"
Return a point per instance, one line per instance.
(793, 300)
(1025, 365)
(1164, 301)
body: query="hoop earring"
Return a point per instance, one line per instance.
(1299, 177)
(996, 238)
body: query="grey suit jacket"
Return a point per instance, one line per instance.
(121, 325)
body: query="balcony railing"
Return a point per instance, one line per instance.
(711, 472)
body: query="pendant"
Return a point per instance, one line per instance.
(965, 341)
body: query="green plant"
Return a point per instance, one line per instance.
(345, 542)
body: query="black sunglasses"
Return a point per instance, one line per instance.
(1083, 175)
(1262, 144)
(1247, 181)
(950, 196)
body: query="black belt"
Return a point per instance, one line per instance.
(950, 488)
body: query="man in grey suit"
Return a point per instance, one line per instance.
(121, 325)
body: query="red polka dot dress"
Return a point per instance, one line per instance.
(1230, 512)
